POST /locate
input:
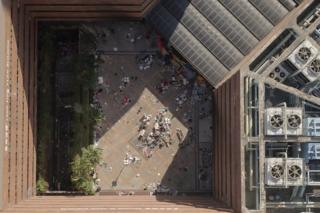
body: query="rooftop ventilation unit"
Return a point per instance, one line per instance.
(315, 66)
(303, 54)
(274, 121)
(279, 74)
(311, 126)
(283, 121)
(284, 172)
(294, 172)
(312, 71)
(294, 121)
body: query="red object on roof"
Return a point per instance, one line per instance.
(160, 42)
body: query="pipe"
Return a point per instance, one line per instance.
(284, 112)
(250, 170)
(257, 180)
(246, 105)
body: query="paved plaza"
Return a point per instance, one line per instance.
(135, 83)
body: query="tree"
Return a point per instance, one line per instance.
(83, 169)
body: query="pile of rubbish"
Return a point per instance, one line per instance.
(158, 136)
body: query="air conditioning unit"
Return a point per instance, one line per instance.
(284, 171)
(274, 121)
(283, 121)
(279, 74)
(294, 121)
(311, 126)
(303, 54)
(312, 70)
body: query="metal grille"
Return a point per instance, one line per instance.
(249, 16)
(273, 10)
(189, 47)
(227, 24)
(210, 37)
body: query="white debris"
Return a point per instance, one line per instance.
(141, 133)
(100, 80)
(130, 159)
(125, 80)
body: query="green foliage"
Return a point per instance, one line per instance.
(83, 167)
(96, 115)
(85, 65)
(88, 40)
(45, 119)
(42, 185)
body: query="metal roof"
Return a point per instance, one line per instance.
(214, 35)
(273, 10)
(201, 28)
(227, 24)
(198, 55)
(249, 16)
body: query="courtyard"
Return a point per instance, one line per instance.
(152, 108)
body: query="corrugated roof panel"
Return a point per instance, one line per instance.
(189, 47)
(202, 29)
(273, 10)
(227, 24)
(289, 4)
(248, 15)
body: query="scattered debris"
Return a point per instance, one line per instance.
(156, 130)
(126, 100)
(130, 159)
(144, 62)
(139, 110)
(181, 99)
(180, 135)
(157, 188)
(130, 193)
(100, 80)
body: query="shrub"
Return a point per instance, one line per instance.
(42, 185)
(96, 115)
(83, 169)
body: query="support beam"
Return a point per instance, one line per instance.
(294, 91)
(261, 88)
(275, 84)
